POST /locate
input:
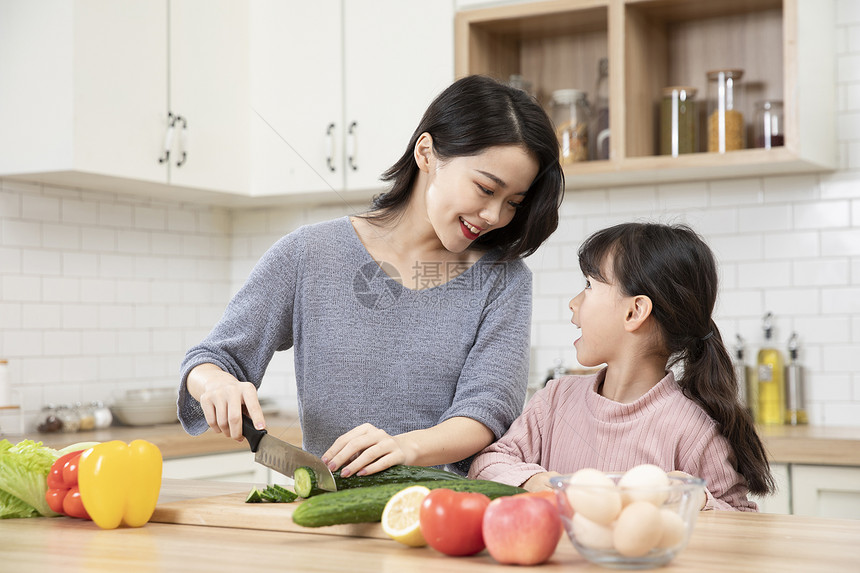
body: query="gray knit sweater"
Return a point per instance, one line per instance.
(368, 349)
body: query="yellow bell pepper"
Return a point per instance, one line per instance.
(120, 482)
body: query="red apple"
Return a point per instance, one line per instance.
(521, 529)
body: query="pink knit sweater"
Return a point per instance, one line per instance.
(568, 426)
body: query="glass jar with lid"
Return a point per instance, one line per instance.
(768, 129)
(726, 131)
(679, 121)
(570, 115)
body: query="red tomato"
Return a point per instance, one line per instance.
(70, 470)
(73, 505)
(451, 521)
(55, 497)
(55, 476)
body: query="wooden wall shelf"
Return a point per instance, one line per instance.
(785, 48)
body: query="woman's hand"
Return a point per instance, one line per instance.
(222, 398)
(539, 482)
(367, 449)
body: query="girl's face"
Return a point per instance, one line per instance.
(599, 311)
(467, 197)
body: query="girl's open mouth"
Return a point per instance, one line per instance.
(469, 231)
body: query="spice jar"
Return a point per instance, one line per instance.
(48, 421)
(102, 415)
(768, 127)
(725, 120)
(69, 418)
(679, 122)
(85, 416)
(570, 116)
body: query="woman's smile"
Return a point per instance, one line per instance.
(470, 231)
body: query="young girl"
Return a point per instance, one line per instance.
(410, 322)
(649, 293)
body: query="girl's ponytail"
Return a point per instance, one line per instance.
(709, 380)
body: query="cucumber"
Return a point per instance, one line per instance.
(365, 504)
(272, 493)
(306, 482)
(394, 474)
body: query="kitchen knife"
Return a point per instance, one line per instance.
(284, 457)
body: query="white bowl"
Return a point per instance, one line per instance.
(145, 415)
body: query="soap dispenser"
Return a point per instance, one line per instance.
(795, 406)
(747, 394)
(770, 371)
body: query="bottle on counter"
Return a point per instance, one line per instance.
(69, 418)
(795, 403)
(87, 420)
(48, 421)
(770, 373)
(5, 387)
(746, 395)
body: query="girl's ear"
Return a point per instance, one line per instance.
(637, 312)
(423, 152)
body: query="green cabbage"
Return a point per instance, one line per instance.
(24, 470)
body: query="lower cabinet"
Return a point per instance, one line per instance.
(826, 491)
(233, 466)
(812, 490)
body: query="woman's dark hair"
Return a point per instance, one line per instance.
(674, 267)
(472, 115)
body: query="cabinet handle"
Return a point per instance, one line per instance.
(183, 141)
(329, 147)
(351, 145)
(168, 138)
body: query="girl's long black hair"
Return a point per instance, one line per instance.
(674, 267)
(472, 115)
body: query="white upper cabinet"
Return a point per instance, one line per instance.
(338, 86)
(88, 85)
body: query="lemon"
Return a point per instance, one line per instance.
(400, 516)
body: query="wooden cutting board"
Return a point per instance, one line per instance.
(232, 511)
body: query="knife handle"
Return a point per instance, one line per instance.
(252, 434)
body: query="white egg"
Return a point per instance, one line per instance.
(593, 494)
(673, 529)
(591, 534)
(636, 485)
(638, 529)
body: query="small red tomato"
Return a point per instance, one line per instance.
(70, 470)
(451, 521)
(73, 505)
(55, 476)
(55, 497)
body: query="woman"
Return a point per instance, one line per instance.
(410, 323)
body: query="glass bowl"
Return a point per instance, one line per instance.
(629, 527)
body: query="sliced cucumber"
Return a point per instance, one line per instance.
(254, 496)
(306, 482)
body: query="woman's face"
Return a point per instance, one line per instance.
(467, 197)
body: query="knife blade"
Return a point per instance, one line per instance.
(284, 457)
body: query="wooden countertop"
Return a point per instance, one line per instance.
(818, 445)
(722, 541)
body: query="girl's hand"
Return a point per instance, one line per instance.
(539, 482)
(367, 450)
(224, 399)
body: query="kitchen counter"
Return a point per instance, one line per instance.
(819, 445)
(170, 438)
(722, 541)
